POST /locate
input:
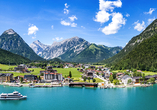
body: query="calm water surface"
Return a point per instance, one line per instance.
(66, 98)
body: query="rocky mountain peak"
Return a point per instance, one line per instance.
(10, 31)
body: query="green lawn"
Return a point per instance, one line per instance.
(65, 71)
(149, 73)
(7, 66)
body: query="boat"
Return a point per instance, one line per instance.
(16, 85)
(12, 96)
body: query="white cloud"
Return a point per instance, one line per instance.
(127, 15)
(66, 11)
(105, 11)
(151, 20)
(72, 18)
(52, 26)
(57, 38)
(150, 11)
(66, 5)
(32, 29)
(114, 26)
(65, 23)
(33, 37)
(73, 25)
(102, 16)
(138, 26)
(109, 5)
(83, 27)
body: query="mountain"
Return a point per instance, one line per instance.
(134, 42)
(143, 57)
(12, 42)
(38, 47)
(7, 57)
(69, 47)
(75, 49)
(94, 53)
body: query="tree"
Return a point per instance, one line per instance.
(39, 78)
(94, 80)
(129, 81)
(42, 74)
(143, 76)
(21, 79)
(151, 80)
(111, 78)
(89, 79)
(115, 81)
(84, 78)
(70, 75)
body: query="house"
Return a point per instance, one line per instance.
(30, 78)
(119, 75)
(17, 78)
(50, 69)
(139, 79)
(52, 77)
(6, 77)
(22, 68)
(107, 73)
(125, 79)
(89, 74)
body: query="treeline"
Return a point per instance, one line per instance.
(7, 57)
(143, 57)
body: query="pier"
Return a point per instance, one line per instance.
(74, 84)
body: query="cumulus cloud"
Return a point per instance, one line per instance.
(151, 20)
(57, 38)
(72, 18)
(127, 15)
(73, 25)
(52, 27)
(150, 11)
(114, 26)
(65, 23)
(102, 16)
(105, 11)
(32, 29)
(66, 11)
(139, 26)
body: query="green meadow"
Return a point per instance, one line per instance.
(76, 75)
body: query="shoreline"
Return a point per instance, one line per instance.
(101, 87)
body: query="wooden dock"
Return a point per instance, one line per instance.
(82, 84)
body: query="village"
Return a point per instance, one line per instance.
(88, 76)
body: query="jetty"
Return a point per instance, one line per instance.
(82, 84)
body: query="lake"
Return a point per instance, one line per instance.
(59, 98)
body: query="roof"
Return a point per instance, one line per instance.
(126, 76)
(151, 76)
(6, 74)
(137, 77)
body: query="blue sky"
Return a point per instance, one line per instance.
(111, 23)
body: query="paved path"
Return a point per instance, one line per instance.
(106, 82)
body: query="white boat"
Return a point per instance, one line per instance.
(12, 96)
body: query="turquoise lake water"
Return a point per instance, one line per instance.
(59, 98)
